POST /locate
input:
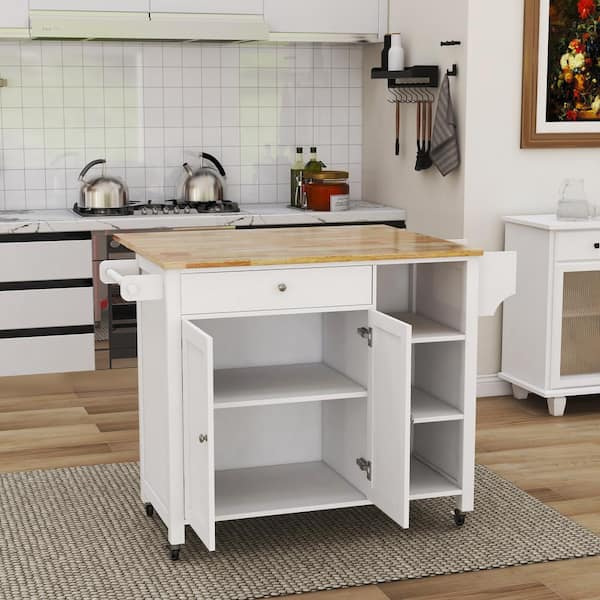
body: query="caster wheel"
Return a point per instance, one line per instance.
(174, 552)
(459, 517)
(149, 509)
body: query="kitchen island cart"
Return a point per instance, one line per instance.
(284, 371)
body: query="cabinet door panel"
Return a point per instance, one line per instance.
(239, 7)
(576, 326)
(198, 398)
(14, 14)
(322, 16)
(92, 5)
(389, 397)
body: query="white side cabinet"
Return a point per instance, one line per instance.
(46, 303)
(273, 390)
(551, 337)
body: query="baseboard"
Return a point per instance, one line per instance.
(492, 385)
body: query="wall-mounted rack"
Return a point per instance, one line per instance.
(412, 77)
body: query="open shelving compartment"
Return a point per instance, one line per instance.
(431, 297)
(289, 423)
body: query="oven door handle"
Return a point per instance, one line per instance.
(133, 285)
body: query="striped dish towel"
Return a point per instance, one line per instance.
(445, 152)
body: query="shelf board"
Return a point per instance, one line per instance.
(426, 331)
(429, 409)
(427, 483)
(283, 384)
(282, 489)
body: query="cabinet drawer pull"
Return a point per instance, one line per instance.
(597, 245)
(282, 287)
(203, 438)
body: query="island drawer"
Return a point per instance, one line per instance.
(276, 289)
(578, 245)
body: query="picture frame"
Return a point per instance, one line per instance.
(547, 85)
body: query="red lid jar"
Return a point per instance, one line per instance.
(327, 190)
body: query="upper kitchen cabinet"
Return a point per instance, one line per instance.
(326, 20)
(14, 19)
(142, 6)
(218, 7)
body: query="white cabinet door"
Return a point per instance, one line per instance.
(575, 360)
(199, 442)
(220, 7)
(323, 16)
(92, 5)
(389, 397)
(14, 14)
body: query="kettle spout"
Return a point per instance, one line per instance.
(187, 168)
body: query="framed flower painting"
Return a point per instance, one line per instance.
(561, 74)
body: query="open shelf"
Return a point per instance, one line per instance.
(429, 409)
(282, 489)
(426, 331)
(283, 384)
(427, 483)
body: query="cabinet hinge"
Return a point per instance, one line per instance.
(364, 465)
(367, 334)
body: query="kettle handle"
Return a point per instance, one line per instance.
(213, 160)
(93, 163)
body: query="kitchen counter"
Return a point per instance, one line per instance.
(59, 220)
(188, 250)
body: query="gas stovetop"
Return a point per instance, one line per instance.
(169, 207)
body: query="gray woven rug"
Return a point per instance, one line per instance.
(81, 533)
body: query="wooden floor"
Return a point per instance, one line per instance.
(80, 419)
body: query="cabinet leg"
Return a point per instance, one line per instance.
(519, 393)
(557, 406)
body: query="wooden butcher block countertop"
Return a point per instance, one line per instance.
(286, 246)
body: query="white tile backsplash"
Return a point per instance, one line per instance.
(148, 107)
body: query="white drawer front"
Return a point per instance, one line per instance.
(578, 245)
(47, 354)
(40, 261)
(24, 309)
(279, 289)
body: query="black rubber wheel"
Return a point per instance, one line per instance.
(459, 517)
(149, 509)
(174, 552)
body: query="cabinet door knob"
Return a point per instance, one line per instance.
(597, 245)
(282, 287)
(203, 438)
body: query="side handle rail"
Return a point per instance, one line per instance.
(134, 286)
(497, 280)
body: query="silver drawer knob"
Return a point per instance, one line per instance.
(203, 438)
(282, 287)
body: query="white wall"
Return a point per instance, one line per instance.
(434, 203)
(500, 178)
(147, 107)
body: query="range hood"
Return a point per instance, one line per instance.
(54, 24)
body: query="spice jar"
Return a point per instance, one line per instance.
(327, 190)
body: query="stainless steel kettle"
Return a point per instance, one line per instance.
(103, 192)
(205, 184)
